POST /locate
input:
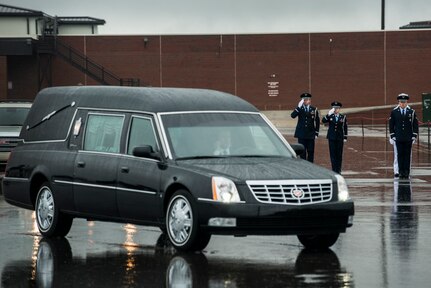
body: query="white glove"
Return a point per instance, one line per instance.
(345, 140)
(331, 111)
(391, 141)
(300, 103)
(414, 140)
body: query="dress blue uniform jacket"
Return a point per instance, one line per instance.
(337, 130)
(403, 128)
(308, 122)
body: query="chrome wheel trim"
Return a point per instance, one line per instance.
(45, 209)
(180, 220)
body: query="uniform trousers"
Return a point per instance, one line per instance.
(309, 149)
(336, 154)
(404, 151)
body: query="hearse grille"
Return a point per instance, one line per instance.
(291, 192)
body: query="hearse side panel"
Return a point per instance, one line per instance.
(138, 183)
(57, 165)
(95, 181)
(99, 143)
(138, 187)
(49, 161)
(197, 183)
(16, 183)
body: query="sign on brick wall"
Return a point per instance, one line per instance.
(273, 88)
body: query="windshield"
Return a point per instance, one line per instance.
(206, 135)
(11, 116)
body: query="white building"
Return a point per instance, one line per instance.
(16, 22)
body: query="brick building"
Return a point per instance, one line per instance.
(269, 70)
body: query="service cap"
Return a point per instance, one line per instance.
(336, 104)
(305, 95)
(403, 96)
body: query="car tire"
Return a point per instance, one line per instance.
(182, 224)
(323, 241)
(202, 241)
(50, 221)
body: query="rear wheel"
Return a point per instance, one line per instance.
(318, 241)
(182, 224)
(50, 221)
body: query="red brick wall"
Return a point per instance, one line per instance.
(272, 58)
(23, 74)
(350, 69)
(198, 61)
(409, 63)
(358, 69)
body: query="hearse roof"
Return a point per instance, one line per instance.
(145, 99)
(53, 108)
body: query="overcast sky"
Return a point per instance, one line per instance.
(235, 16)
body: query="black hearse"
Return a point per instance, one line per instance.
(193, 162)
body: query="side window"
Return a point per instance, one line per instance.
(141, 133)
(103, 133)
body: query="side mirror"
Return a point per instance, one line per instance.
(145, 151)
(298, 148)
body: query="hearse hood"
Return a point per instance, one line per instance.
(243, 169)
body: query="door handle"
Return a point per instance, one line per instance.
(124, 169)
(81, 164)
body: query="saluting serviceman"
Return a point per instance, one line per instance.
(403, 128)
(337, 135)
(307, 128)
(396, 169)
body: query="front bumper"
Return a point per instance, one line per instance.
(271, 219)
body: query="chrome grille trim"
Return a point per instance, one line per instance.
(280, 191)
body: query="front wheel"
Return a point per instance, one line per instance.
(182, 223)
(318, 241)
(50, 221)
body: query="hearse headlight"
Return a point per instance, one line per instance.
(343, 191)
(224, 190)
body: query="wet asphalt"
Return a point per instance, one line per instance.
(388, 245)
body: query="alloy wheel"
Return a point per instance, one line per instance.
(45, 208)
(180, 220)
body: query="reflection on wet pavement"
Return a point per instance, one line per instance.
(58, 267)
(388, 245)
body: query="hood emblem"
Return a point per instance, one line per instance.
(297, 193)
